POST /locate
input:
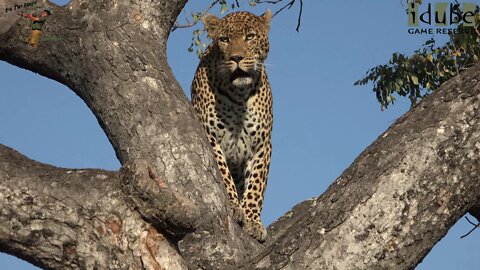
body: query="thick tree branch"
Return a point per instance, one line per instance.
(398, 198)
(113, 56)
(158, 203)
(74, 219)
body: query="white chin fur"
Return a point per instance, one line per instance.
(242, 81)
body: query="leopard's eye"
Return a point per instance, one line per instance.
(250, 36)
(223, 39)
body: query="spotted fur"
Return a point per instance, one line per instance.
(233, 100)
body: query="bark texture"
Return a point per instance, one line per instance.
(166, 208)
(74, 219)
(113, 56)
(398, 198)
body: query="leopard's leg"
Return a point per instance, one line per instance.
(237, 212)
(256, 175)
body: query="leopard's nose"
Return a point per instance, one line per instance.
(236, 58)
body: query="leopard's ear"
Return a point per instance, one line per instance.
(211, 23)
(266, 18)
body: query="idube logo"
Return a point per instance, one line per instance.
(440, 18)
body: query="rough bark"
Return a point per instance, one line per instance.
(398, 198)
(74, 219)
(113, 56)
(166, 208)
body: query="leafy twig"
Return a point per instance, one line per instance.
(197, 43)
(199, 16)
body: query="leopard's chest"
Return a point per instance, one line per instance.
(238, 126)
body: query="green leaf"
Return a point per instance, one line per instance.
(430, 41)
(224, 8)
(195, 17)
(430, 57)
(414, 79)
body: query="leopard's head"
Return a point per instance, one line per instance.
(241, 41)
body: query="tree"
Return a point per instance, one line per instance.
(396, 200)
(430, 66)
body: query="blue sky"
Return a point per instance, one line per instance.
(321, 121)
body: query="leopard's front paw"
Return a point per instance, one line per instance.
(256, 230)
(237, 213)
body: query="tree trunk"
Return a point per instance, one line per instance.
(167, 208)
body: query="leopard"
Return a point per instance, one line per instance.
(232, 97)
